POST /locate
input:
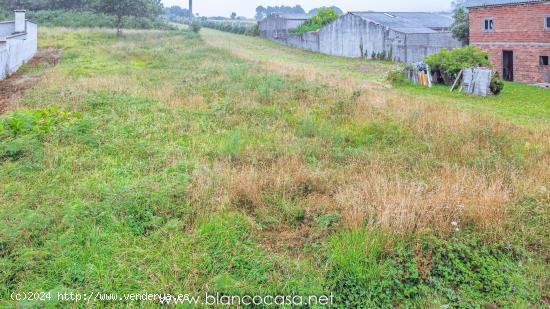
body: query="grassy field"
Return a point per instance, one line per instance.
(167, 162)
(520, 104)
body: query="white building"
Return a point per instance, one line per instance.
(18, 43)
(399, 36)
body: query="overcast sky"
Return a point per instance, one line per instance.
(248, 7)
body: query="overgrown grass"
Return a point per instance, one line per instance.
(157, 163)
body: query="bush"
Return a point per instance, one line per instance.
(447, 64)
(323, 17)
(396, 77)
(496, 84)
(233, 27)
(195, 27)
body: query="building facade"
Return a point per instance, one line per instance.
(18, 43)
(516, 33)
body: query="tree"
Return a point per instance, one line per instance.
(233, 15)
(323, 18)
(461, 25)
(126, 8)
(334, 8)
(262, 12)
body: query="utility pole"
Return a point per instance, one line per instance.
(190, 11)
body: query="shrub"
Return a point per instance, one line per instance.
(496, 84)
(22, 132)
(323, 17)
(396, 77)
(233, 27)
(449, 63)
(195, 27)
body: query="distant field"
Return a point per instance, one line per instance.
(168, 162)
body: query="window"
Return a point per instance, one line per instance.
(547, 22)
(488, 24)
(544, 60)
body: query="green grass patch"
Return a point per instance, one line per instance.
(519, 103)
(115, 176)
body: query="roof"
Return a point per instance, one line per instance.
(478, 3)
(409, 22)
(294, 16)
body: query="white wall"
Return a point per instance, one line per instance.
(7, 28)
(349, 34)
(18, 49)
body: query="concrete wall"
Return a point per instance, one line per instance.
(276, 27)
(419, 45)
(346, 35)
(354, 37)
(6, 28)
(307, 41)
(18, 49)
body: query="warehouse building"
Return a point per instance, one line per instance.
(403, 36)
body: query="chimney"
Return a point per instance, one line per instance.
(20, 21)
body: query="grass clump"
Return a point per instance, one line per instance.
(369, 270)
(22, 133)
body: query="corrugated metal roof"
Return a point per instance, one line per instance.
(409, 22)
(476, 3)
(430, 20)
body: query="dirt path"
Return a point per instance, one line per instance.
(13, 87)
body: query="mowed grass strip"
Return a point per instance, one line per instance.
(155, 162)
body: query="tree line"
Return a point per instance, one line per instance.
(262, 12)
(119, 9)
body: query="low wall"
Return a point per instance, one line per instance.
(6, 28)
(307, 41)
(3, 61)
(17, 50)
